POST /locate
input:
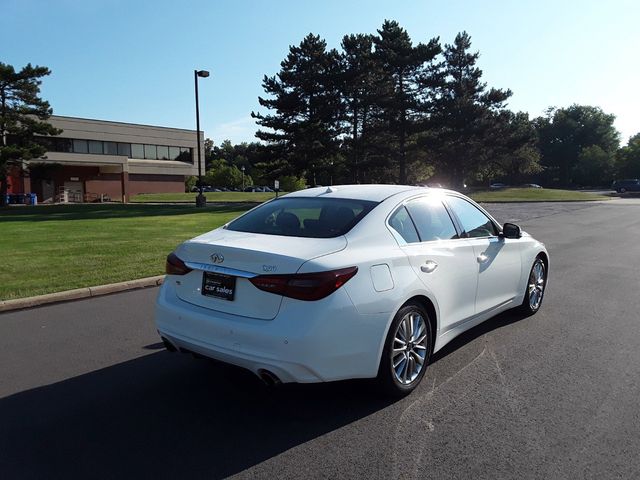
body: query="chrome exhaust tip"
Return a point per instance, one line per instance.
(168, 345)
(269, 378)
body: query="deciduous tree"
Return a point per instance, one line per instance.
(628, 159)
(564, 133)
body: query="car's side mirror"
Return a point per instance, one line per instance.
(511, 230)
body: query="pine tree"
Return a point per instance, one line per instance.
(403, 65)
(514, 153)
(23, 114)
(359, 82)
(463, 112)
(303, 127)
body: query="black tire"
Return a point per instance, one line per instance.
(387, 376)
(530, 307)
(622, 190)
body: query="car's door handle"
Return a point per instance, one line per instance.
(429, 266)
(482, 258)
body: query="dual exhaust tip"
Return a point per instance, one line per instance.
(269, 378)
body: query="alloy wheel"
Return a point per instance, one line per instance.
(536, 285)
(409, 349)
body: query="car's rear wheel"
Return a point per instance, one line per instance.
(622, 190)
(407, 350)
(536, 285)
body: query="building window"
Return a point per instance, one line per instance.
(110, 148)
(163, 152)
(185, 155)
(130, 150)
(150, 152)
(174, 153)
(137, 150)
(80, 146)
(95, 146)
(124, 149)
(63, 145)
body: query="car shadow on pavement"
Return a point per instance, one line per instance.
(164, 415)
(169, 415)
(502, 320)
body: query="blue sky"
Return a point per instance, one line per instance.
(133, 61)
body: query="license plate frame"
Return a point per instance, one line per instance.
(218, 285)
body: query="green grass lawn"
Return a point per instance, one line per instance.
(211, 197)
(53, 248)
(535, 195)
(506, 195)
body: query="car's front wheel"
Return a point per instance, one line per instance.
(536, 285)
(407, 350)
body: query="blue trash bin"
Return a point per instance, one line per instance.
(33, 199)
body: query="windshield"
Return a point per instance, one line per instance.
(304, 217)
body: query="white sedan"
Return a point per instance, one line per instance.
(354, 281)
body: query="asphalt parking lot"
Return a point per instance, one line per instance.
(86, 390)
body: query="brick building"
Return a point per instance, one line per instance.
(91, 159)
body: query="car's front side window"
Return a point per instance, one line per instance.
(474, 223)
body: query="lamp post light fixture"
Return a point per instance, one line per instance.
(201, 200)
(242, 168)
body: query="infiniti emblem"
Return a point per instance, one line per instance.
(217, 258)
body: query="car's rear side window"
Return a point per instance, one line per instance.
(401, 222)
(304, 217)
(431, 219)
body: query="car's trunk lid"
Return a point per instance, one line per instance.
(242, 255)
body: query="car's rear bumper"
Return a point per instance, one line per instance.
(307, 341)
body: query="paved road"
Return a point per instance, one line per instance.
(87, 392)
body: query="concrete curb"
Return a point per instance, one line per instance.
(79, 293)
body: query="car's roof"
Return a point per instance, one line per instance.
(375, 193)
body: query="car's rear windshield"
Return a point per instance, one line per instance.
(304, 217)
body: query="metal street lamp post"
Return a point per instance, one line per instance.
(242, 168)
(201, 200)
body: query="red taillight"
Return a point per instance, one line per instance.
(175, 266)
(305, 286)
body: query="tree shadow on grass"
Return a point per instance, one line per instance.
(100, 211)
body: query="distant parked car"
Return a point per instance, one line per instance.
(497, 186)
(531, 185)
(627, 185)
